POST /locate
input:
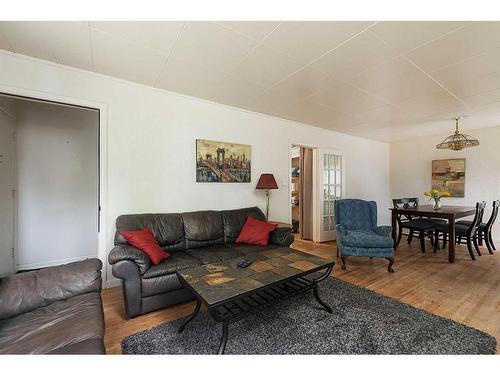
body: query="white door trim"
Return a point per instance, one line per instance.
(103, 158)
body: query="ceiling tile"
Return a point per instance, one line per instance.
(363, 52)
(4, 44)
(306, 41)
(212, 45)
(472, 40)
(253, 29)
(405, 36)
(119, 58)
(472, 76)
(29, 38)
(310, 111)
(153, 34)
(347, 98)
(391, 73)
(266, 66)
(483, 98)
(66, 43)
(300, 85)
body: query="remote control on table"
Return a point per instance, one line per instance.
(244, 263)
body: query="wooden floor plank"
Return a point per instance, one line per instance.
(465, 291)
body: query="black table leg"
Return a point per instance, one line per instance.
(190, 317)
(320, 301)
(223, 341)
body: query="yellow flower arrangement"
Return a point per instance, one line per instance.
(436, 195)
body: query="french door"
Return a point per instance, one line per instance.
(331, 181)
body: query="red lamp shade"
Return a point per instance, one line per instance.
(266, 181)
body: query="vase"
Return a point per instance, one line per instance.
(437, 205)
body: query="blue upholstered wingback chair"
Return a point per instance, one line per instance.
(358, 233)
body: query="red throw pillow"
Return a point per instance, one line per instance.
(255, 232)
(145, 240)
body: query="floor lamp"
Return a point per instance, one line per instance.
(267, 182)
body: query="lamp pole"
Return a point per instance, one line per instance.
(267, 204)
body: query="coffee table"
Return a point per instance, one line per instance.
(230, 292)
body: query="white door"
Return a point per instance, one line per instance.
(332, 187)
(7, 127)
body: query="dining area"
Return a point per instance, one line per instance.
(445, 226)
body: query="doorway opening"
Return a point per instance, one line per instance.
(50, 190)
(302, 191)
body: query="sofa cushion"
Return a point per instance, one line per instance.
(177, 261)
(365, 238)
(256, 232)
(356, 214)
(214, 254)
(145, 240)
(168, 229)
(233, 221)
(53, 327)
(203, 228)
(23, 292)
(92, 346)
(160, 284)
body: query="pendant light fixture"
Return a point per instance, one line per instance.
(457, 141)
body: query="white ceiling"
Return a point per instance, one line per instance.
(381, 80)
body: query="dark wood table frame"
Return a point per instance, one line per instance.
(239, 306)
(450, 213)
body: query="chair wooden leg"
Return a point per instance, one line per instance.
(436, 240)
(410, 236)
(469, 247)
(490, 237)
(474, 240)
(400, 234)
(445, 240)
(343, 258)
(488, 244)
(421, 236)
(480, 239)
(389, 267)
(430, 234)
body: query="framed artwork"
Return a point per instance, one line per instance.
(222, 162)
(449, 175)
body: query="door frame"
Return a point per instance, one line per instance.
(102, 109)
(318, 191)
(315, 184)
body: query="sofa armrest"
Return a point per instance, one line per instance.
(128, 252)
(27, 291)
(383, 230)
(282, 236)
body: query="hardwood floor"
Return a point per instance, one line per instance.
(465, 291)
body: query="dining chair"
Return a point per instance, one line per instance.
(423, 227)
(484, 230)
(463, 231)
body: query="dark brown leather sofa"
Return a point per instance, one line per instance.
(193, 239)
(55, 310)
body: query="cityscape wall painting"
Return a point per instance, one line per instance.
(449, 175)
(222, 162)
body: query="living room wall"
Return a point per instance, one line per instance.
(411, 169)
(151, 137)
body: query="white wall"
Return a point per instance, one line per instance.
(151, 145)
(411, 169)
(7, 126)
(57, 184)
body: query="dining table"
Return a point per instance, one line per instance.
(450, 213)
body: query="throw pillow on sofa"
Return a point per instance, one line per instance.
(145, 240)
(255, 232)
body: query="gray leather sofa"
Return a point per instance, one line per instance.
(193, 239)
(55, 310)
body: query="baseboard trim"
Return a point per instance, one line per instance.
(51, 263)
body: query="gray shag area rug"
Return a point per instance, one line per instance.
(363, 322)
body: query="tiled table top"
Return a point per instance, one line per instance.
(217, 282)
